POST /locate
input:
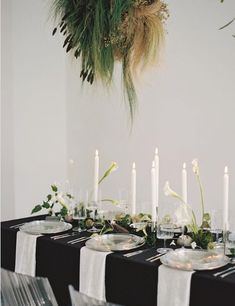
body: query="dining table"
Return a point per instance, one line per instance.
(129, 280)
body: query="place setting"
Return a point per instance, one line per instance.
(45, 227)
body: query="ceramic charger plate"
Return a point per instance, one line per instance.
(187, 259)
(115, 242)
(45, 227)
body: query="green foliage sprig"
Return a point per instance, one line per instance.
(202, 238)
(122, 222)
(228, 23)
(56, 197)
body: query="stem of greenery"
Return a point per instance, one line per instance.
(201, 195)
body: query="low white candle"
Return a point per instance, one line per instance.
(156, 163)
(133, 190)
(153, 189)
(225, 199)
(96, 176)
(184, 184)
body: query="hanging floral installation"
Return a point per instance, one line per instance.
(100, 32)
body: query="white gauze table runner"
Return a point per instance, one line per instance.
(25, 259)
(173, 287)
(92, 273)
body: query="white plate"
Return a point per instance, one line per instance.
(115, 242)
(45, 227)
(187, 259)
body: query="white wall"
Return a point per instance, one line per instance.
(186, 109)
(33, 107)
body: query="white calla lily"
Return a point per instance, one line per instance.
(112, 168)
(169, 192)
(60, 199)
(53, 199)
(183, 214)
(195, 166)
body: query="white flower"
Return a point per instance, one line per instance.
(53, 199)
(56, 184)
(112, 168)
(193, 245)
(183, 214)
(195, 166)
(60, 199)
(169, 192)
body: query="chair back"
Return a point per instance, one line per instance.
(80, 299)
(23, 290)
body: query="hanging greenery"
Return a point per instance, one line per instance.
(103, 31)
(228, 23)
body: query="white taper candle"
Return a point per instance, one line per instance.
(71, 175)
(133, 189)
(96, 176)
(225, 199)
(153, 189)
(184, 184)
(156, 163)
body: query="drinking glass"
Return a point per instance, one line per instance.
(165, 231)
(230, 244)
(92, 208)
(79, 214)
(216, 225)
(123, 200)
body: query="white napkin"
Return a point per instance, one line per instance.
(173, 287)
(92, 273)
(25, 259)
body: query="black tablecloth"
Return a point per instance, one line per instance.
(129, 281)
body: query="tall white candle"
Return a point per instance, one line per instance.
(153, 189)
(225, 198)
(133, 189)
(96, 176)
(71, 176)
(184, 184)
(156, 163)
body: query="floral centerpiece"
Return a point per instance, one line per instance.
(185, 215)
(122, 223)
(62, 200)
